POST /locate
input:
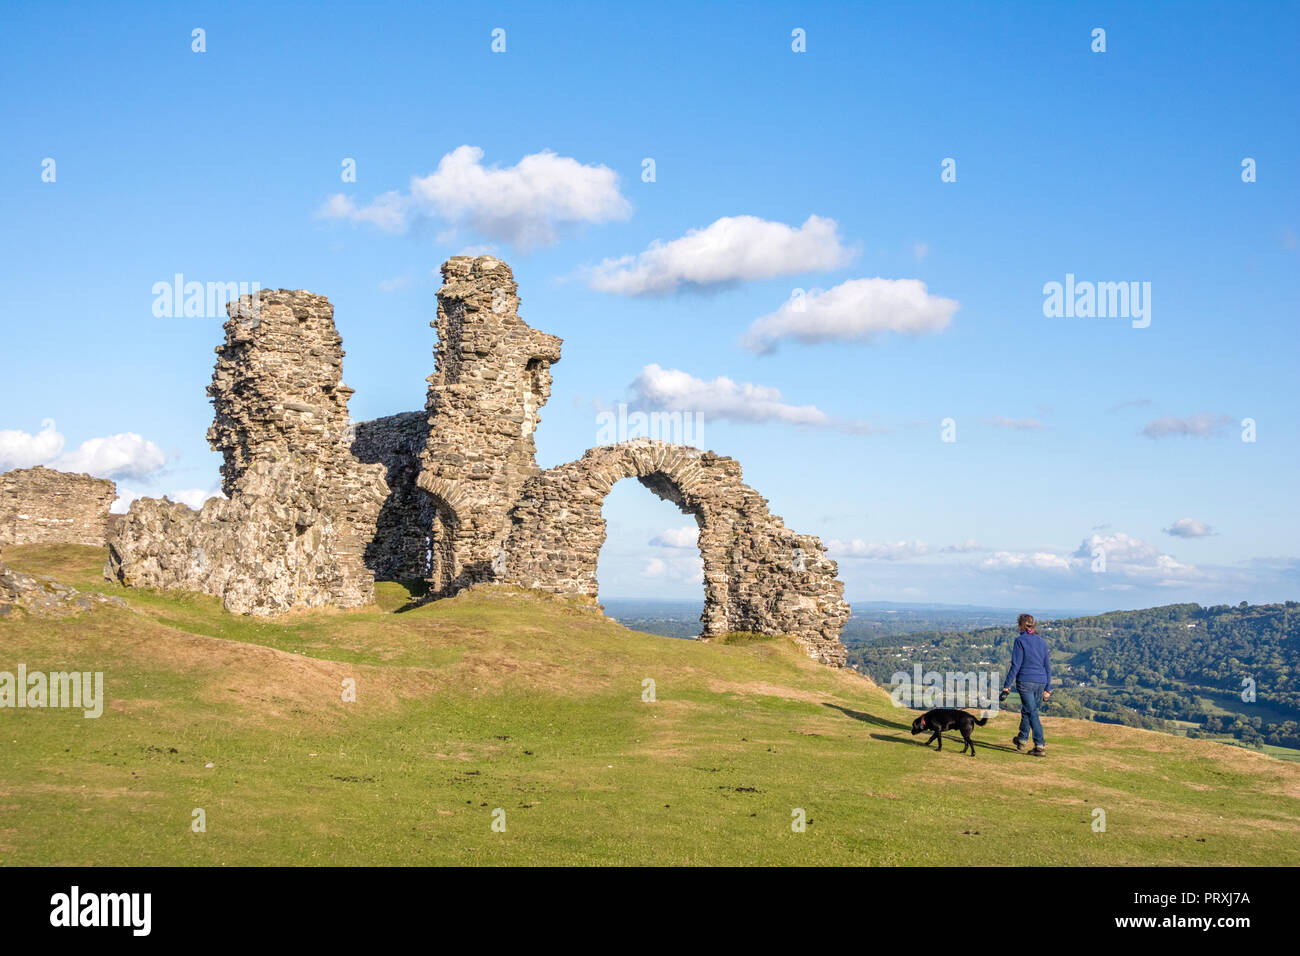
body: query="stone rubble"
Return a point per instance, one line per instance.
(45, 597)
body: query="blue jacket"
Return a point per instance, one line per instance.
(1029, 661)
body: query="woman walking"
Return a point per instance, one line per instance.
(1031, 675)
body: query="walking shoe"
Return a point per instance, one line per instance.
(1020, 744)
(1038, 752)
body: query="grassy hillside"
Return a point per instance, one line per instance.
(1180, 668)
(501, 699)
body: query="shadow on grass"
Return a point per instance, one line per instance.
(919, 740)
(417, 595)
(869, 718)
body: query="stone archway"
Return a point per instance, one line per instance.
(558, 526)
(758, 575)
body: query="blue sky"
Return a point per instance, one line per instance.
(1073, 435)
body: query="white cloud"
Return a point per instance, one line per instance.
(1130, 403)
(395, 284)
(18, 449)
(722, 399)
(118, 456)
(878, 550)
(1118, 548)
(858, 310)
(127, 455)
(684, 537)
(895, 550)
(527, 204)
(719, 399)
(1201, 425)
(193, 497)
(475, 249)
(1017, 424)
(920, 250)
(1111, 562)
(682, 569)
(1037, 560)
(731, 249)
(388, 211)
(122, 504)
(1189, 528)
(655, 568)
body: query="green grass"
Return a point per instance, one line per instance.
(503, 699)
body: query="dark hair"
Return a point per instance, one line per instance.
(1026, 622)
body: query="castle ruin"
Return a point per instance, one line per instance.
(452, 495)
(301, 508)
(43, 506)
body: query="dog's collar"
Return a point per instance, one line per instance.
(923, 720)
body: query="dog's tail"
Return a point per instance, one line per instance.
(981, 721)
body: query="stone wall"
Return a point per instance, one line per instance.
(43, 506)
(492, 376)
(758, 575)
(301, 508)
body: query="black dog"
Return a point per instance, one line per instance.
(946, 718)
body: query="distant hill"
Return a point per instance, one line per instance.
(1182, 668)
(656, 616)
(869, 620)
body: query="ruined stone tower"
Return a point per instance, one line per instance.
(301, 508)
(492, 376)
(277, 388)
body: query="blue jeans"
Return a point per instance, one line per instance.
(1031, 699)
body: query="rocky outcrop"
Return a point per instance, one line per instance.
(758, 575)
(45, 596)
(43, 506)
(301, 508)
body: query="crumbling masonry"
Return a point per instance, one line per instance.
(491, 378)
(451, 495)
(300, 508)
(758, 575)
(42, 506)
